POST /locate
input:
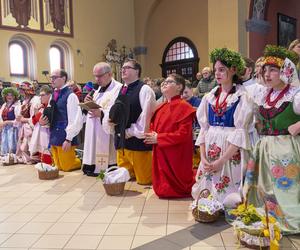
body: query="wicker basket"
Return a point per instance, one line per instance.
(114, 188)
(256, 232)
(11, 160)
(48, 175)
(201, 216)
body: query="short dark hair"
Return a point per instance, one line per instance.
(47, 89)
(179, 81)
(63, 73)
(135, 64)
(188, 85)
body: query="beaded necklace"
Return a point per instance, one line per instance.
(281, 94)
(220, 108)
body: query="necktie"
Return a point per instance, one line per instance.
(124, 90)
(56, 94)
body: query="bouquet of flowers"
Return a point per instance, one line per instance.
(255, 229)
(205, 207)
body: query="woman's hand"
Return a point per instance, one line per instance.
(206, 164)
(151, 138)
(19, 118)
(294, 129)
(217, 165)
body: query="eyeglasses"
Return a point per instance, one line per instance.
(167, 82)
(54, 77)
(41, 95)
(127, 67)
(99, 76)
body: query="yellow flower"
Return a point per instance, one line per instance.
(277, 235)
(291, 171)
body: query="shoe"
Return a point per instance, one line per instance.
(92, 174)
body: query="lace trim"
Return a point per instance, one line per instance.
(232, 98)
(288, 97)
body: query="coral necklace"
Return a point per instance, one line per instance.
(220, 108)
(281, 94)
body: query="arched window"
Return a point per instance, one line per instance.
(180, 57)
(56, 56)
(22, 58)
(17, 59)
(60, 57)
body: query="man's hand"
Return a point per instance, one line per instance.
(66, 146)
(95, 113)
(110, 123)
(88, 98)
(151, 138)
(43, 120)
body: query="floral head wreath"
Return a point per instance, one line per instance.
(285, 60)
(229, 57)
(275, 55)
(10, 90)
(28, 88)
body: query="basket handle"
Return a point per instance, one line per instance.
(200, 193)
(263, 199)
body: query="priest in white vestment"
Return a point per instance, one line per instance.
(99, 151)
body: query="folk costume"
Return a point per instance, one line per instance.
(9, 134)
(275, 162)
(66, 124)
(136, 156)
(99, 151)
(26, 127)
(223, 123)
(172, 163)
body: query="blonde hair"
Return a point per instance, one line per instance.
(293, 44)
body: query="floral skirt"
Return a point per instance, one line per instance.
(230, 178)
(275, 168)
(9, 139)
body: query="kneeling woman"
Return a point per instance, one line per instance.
(276, 164)
(172, 140)
(224, 116)
(8, 113)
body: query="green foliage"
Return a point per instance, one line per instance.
(11, 90)
(281, 52)
(247, 214)
(101, 175)
(230, 57)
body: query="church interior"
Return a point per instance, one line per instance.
(73, 211)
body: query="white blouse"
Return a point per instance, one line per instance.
(243, 116)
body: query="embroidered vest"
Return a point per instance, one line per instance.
(275, 121)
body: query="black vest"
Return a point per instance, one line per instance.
(133, 143)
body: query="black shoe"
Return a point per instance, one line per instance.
(92, 174)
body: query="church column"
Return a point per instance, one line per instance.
(226, 25)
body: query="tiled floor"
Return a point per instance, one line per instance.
(73, 212)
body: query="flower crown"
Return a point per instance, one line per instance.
(275, 55)
(229, 57)
(10, 90)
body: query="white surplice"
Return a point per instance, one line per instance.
(99, 147)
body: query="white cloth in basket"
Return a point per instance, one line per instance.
(116, 175)
(44, 167)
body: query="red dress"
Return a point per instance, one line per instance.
(172, 174)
